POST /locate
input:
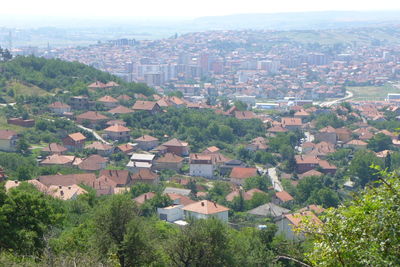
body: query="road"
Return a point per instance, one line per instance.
(349, 95)
(275, 180)
(96, 135)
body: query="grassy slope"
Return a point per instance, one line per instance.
(372, 92)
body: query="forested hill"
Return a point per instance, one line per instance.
(52, 74)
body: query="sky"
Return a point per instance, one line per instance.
(180, 8)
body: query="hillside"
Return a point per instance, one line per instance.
(34, 76)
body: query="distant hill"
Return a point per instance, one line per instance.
(298, 20)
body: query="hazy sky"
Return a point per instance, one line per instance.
(182, 8)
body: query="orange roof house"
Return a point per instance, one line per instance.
(240, 174)
(93, 117)
(206, 209)
(148, 106)
(74, 141)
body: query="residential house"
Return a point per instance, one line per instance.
(292, 124)
(140, 161)
(104, 186)
(301, 114)
(206, 209)
(120, 110)
(281, 198)
(59, 108)
(127, 149)
(305, 163)
(245, 115)
(96, 85)
(201, 165)
(92, 117)
(63, 160)
(256, 144)
(310, 173)
(122, 178)
(169, 162)
(54, 148)
(269, 210)
(322, 149)
(124, 98)
(21, 122)
(211, 150)
(8, 140)
(247, 195)
(288, 224)
(65, 192)
(149, 106)
(327, 134)
(326, 167)
(177, 147)
(102, 149)
(272, 131)
(343, 134)
(178, 199)
(115, 122)
(68, 179)
(144, 197)
(79, 102)
(93, 163)
(171, 213)
(118, 133)
(147, 142)
(227, 167)
(74, 142)
(356, 144)
(240, 174)
(108, 101)
(178, 191)
(145, 176)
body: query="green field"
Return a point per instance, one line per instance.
(372, 92)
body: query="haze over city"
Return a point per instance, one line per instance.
(199, 133)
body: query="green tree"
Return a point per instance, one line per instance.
(201, 243)
(26, 215)
(380, 142)
(136, 247)
(362, 233)
(360, 167)
(111, 221)
(23, 146)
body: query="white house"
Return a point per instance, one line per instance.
(140, 161)
(59, 108)
(201, 165)
(171, 213)
(8, 140)
(289, 222)
(206, 209)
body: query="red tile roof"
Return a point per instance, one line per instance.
(243, 173)
(7, 134)
(284, 196)
(205, 207)
(77, 137)
(120, 110)
(146, 138)
(117, 129)
(107, 99)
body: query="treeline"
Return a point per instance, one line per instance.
(38, 230)
(201, 128)
(51, 74)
